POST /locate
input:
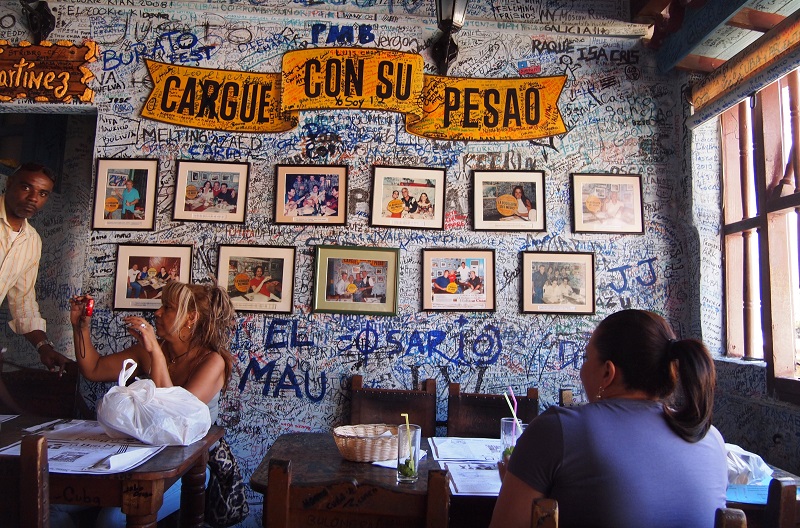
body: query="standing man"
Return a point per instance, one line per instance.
(27, 190)
(539, 280)
(130, 197)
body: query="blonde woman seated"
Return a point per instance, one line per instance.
(641, 453)
(189, 347)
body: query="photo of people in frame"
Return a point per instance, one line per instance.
(408, 197)
(458, 282)
(211, 191)
(558, 282)
(509, 201)
(608, 204)
(146, 276)
(255, 280)
(356, 280)
(311, 195)
(126, 192)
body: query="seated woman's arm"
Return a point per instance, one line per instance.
(92, 365)
(513, 507)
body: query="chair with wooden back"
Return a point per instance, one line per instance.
(25, 480)
(474, 415)
(350, 503)
(44, 393)
(370, 405)
(544, 513)
(781, 510)
(730, 518)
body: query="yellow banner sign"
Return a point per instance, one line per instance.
(436, 107)
(489, 109)
(365, 79)
(216, 99)
(46, 73)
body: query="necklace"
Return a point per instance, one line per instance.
(176, 358)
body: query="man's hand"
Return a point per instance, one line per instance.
(51, 359)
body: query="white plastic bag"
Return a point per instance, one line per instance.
(158, 416)
(745, 467)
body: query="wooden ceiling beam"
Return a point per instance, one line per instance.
(753, 20)
(699, 63)
(698, 25)
(748, 63)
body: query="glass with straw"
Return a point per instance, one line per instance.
(408, 440)
(510, 428)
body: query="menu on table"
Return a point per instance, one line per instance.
(82, 446)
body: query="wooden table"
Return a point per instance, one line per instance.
(316, 459)
(139, 492)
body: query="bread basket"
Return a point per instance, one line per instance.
(367, 442)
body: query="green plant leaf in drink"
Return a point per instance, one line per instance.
(407, 468)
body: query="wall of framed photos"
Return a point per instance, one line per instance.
(608, 209)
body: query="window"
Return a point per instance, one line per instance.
(761, 200)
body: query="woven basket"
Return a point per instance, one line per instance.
(365, 443)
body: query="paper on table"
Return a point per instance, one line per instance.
(455, 448)
(755, 493)
(473, 478)
(86, 448)
(392, 462)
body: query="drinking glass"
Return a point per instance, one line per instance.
(408, 438)
(509, 433)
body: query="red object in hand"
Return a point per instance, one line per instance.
(89, 307)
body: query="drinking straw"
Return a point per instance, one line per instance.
(514, 411)
(514, 414)
(408, 435)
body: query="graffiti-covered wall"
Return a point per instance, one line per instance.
(621, 117)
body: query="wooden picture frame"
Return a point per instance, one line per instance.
(508, 200)
(161, 264)
(558, 283)
(370, 286)
(607, 203)
(396, 196)
(225, 201)
(296, 202)
(111, 209)
(458, 280)
(271, 290)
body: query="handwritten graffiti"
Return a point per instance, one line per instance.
(648, 279)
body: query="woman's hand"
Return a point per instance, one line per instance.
(501, 468)
(143, 332)
(77, 307)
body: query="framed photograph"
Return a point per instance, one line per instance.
(607, 203)
(560, 283)
(143, 270)
(258, 278)
(124, 197)
(508, 200)
(356, 280)
(458, 280)
(310, 194)
(408, 197)
(211, 191)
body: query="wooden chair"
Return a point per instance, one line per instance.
(565, 398)
(476, 415)
(385, 405)
(44, 393)
(729, 518)
(24, 479)
(544, 513)
(781, 510)
(350, 503)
